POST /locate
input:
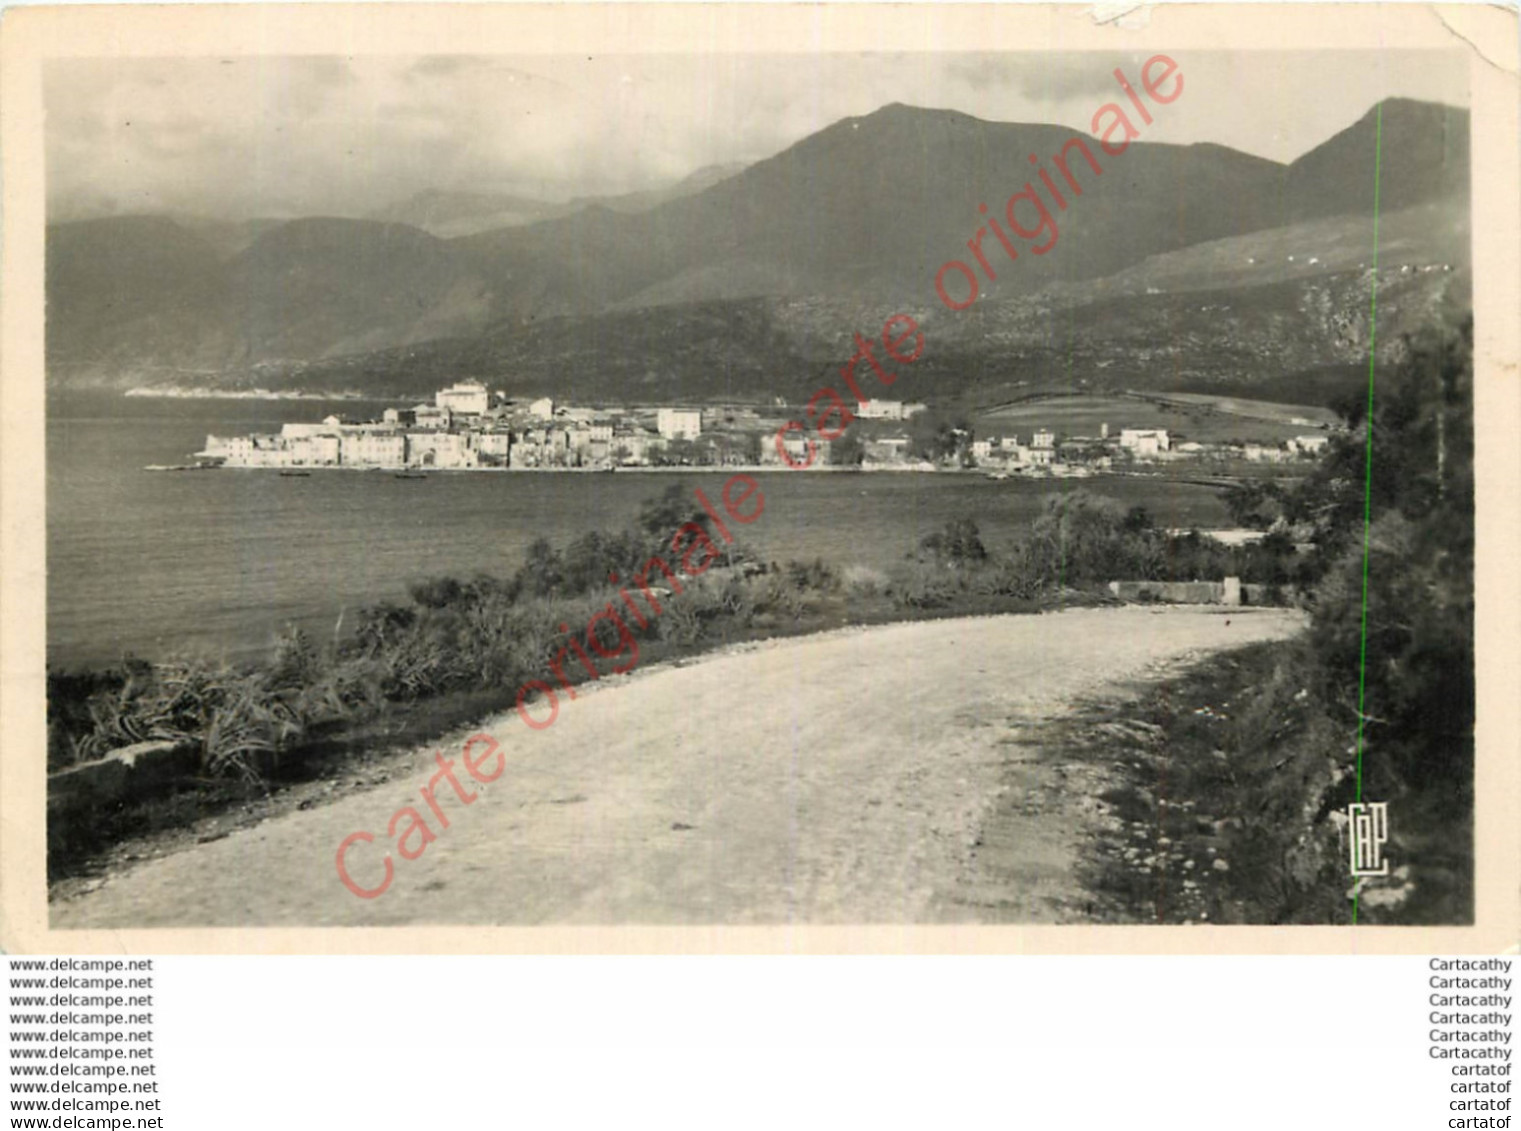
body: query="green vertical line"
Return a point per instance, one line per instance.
(1362, 669)
(1061, 572)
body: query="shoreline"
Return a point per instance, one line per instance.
(706, 469)
(246, 395)
(414, 472)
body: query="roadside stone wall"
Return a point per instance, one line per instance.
(1228, 592)
(146, 769)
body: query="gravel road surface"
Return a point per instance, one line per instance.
(828, 779)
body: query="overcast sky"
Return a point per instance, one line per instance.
(345, 136)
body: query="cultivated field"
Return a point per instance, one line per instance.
(1186, 416)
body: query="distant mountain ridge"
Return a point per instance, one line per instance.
(451, 213)
(857, 216)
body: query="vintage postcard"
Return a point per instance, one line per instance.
(703, 478)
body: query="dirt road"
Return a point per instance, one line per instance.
(840, 778)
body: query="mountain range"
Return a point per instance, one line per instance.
(745, 282)
(448, 214)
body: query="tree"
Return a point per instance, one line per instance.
(959, 543)
(677, 453)
(660, 516)
(541, 573)
(847, 451)
(937, 436)
(1255, 503)
(750, 448)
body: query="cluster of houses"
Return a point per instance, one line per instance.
(1046, 454)
(469, 427)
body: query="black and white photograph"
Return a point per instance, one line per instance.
(980, 487)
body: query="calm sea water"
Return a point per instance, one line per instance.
(151, 563)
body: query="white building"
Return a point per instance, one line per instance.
(431, 416)
(542, 409)
(885, 449)
(881, 410)
(245, 451)
(994, 448)
(372, 449)
(302, 431)
(1144, 442)
(679, 423)
(310, 451)
(1309, 445)
(471, 398)
(798, 448)
(634, 445)
(1044, 439)
(440, 449)
(1263, 453)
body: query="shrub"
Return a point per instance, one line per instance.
(863, 581)
(295, 662)
(817, 576)
(436, 592)
(958, 543)
(682, 622)
(380, 625)
(1004, 577)
(924, 585)
(777, 594)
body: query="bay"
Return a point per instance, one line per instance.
(153, 564)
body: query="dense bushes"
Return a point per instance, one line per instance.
(237, 717)
(1216, 813)
(1376, 702)
(1412, 698)
(1083, 541)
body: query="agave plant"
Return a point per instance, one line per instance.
(245, 724)
(139, 711)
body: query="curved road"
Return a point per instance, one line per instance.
(837, 778)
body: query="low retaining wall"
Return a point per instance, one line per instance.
(147, 769)
(1179, 592)
(1227, 592)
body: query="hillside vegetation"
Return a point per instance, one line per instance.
(1236, 809)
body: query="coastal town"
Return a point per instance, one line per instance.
(469, 427)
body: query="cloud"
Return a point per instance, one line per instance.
(1049, 77)
(273, 136)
